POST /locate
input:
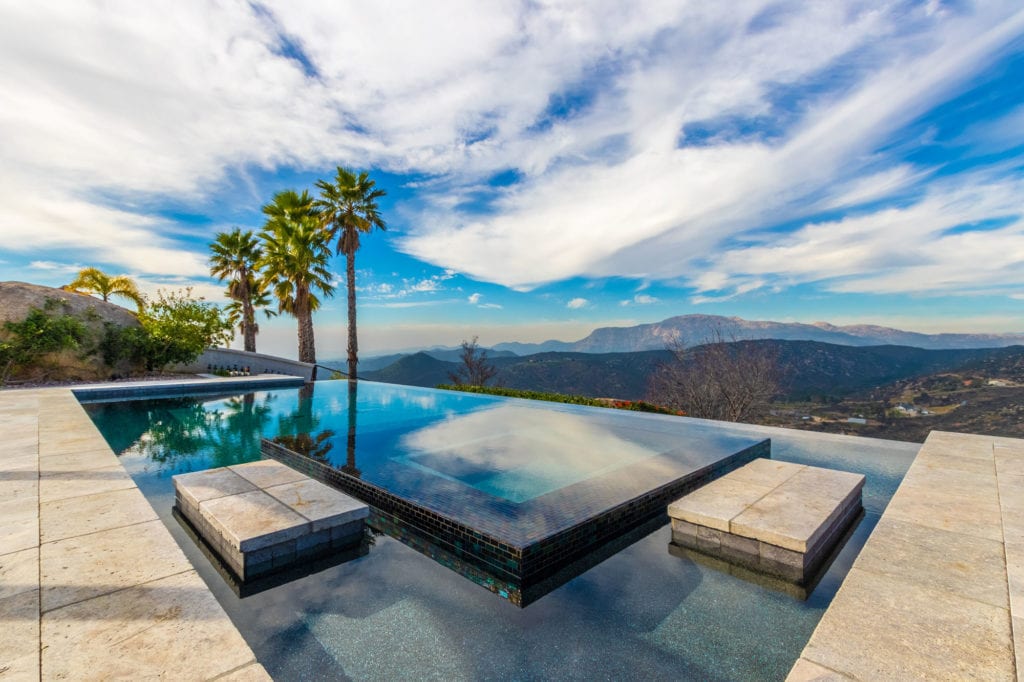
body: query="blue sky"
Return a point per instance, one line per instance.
(550, 168)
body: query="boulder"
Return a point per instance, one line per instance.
(82, 363)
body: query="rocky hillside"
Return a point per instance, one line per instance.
(83, 363)
(17, 298)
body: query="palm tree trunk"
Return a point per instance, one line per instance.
(307, 345)
(249, 328)
(353, 343)
(248, 315)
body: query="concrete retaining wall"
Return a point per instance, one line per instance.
(258, 363)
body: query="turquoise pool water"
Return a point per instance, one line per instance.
(642, 613)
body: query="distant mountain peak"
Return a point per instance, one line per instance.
(696, 328)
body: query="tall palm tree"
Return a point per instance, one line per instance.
(348, 207)
(95, 281)
(295, 255)
(234, 257)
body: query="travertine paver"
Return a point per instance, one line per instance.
(936, 592)
(149, 626)
(254, 520)
(200, 486)
(716, 505)
(89, 565)
(19, 641)
(766, 472)
(19, 572)
(20, 527)
(60, 485)
(171, 628)
(321, 504)
(978, 516)
(882, 627)
(78, 461)
(68, 517)
(961, 564)
(267, 472)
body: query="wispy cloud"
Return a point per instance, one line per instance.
(639, 299)
(577, 303)
(661, 144)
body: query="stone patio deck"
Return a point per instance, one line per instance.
(92, 585)
(937, 592)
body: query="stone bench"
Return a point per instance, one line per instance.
(778, 518)
(263, 517)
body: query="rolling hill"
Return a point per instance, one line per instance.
(810, 369)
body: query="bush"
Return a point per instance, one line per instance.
(35, 336)
(178, 328)
(634, 405)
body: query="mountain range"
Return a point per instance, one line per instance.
(692, 330)
(810, 369)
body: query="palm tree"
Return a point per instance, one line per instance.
(295, 255)
(349, 206)
(95, 281)
(234, 258)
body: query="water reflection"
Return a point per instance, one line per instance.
(176, 431)
(517, 452)
(350, 442)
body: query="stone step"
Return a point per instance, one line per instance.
(779, 518)
(263, 516)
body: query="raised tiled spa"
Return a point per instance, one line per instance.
(522, 490)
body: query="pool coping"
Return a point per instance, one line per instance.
(92, 584)
(950, 607)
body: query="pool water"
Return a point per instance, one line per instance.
(644, 612)
(519, 487)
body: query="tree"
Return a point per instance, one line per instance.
(476, 369)
(234, 257)
(95, 281)
(177, 328)
(349, 207)
(724, 380)
(295, 255)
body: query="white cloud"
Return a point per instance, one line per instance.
(639, 299)
(55, 267)
(114, 108)
(577, 303)
(923, 247)
(474, 298)
(692, 200)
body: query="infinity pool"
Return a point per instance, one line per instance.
(641, 612)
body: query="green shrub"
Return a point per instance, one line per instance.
(634, 405)
(178, 328)
(35, 336)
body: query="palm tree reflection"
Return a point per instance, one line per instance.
(179, 430)
(349, 467)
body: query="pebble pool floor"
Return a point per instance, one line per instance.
(641, 614)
